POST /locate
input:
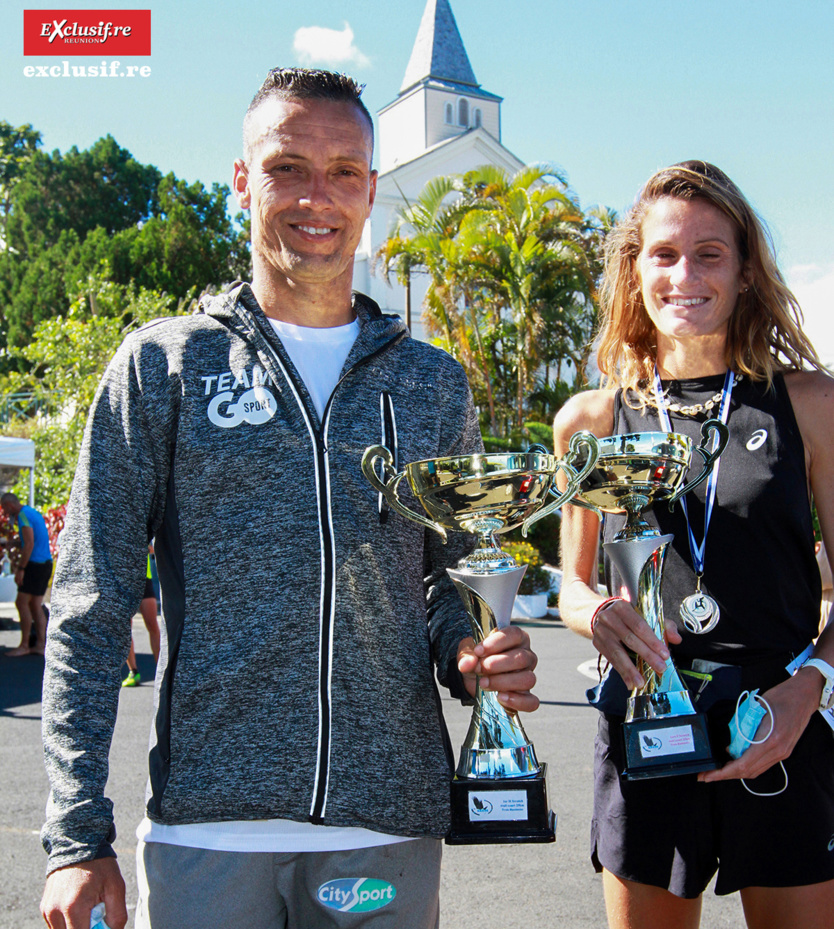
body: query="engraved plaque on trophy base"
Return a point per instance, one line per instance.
(501, 810)
(667, 746)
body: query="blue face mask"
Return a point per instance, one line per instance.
(749, 713)
(97, 917)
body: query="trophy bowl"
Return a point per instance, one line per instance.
(650, 463)
(636, 470)
(460, 493)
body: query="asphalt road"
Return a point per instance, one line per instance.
(487, 887)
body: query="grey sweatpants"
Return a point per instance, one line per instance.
(387, 887)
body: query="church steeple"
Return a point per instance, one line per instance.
(440, 97)
(438, 51)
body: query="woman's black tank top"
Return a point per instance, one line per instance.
(759, 560)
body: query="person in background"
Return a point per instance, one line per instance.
(148, 609)
(32, 574)
(697, 322)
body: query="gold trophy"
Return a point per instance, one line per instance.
(663, 733)
(499, 792)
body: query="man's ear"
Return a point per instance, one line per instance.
(240, 184)
(372, 185)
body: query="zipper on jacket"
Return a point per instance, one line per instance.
(388, 428)
(327, 603)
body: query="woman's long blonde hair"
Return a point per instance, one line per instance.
(765, 334)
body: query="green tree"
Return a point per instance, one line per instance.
(64, 362)
(524, 241)
(71, 215)
(17, 146)
(103, 186)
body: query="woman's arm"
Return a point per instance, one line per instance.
(618, 630)
(796, 700)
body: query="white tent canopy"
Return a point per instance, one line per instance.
(19, 453)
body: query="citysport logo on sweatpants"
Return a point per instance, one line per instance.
(356, 894)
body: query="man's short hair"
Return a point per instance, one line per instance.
(305, 84)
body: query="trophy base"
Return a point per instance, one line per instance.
(666, 747)
(507, 810)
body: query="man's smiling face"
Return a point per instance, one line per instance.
(309, 186)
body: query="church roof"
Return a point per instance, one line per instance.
(443, 154)
(438, 51)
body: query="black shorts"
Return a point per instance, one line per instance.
(674, 832)
(36, 577)
(150, 593)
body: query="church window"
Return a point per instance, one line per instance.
(449, 114)
(463, 112)
(477, 118)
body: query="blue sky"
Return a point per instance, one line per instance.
(609, 90)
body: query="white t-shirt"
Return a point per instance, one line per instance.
(319, 356)
(264, 835)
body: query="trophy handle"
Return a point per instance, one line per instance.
(579, 441)
(710, 427)
(388, 486)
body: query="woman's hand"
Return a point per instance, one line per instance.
(620, 633)
(793, 703)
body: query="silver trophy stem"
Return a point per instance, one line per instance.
(640, 564)
(496, 745)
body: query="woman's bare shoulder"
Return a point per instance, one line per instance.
(591, 410)
(812, 399)
(809, 387)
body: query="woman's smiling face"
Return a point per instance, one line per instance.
(689, 269)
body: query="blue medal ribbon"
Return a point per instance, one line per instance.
(697, 551)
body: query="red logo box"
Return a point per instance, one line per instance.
(86, 32)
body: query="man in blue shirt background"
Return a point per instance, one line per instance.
(33, 573)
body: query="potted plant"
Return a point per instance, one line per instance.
(531, 602)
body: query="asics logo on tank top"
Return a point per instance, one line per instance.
(757, 440)
(831, 844)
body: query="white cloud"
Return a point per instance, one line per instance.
(814, 289)
(317, 45)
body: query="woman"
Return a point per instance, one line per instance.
(692, 291)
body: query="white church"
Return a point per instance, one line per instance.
(441, 122)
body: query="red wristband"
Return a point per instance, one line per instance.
(603, 606)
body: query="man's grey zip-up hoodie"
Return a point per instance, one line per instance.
(302, 618)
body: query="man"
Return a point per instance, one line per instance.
(32, 575)
(299, 744)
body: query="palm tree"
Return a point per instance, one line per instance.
(424, 240)
(511, 277)
(523, 236)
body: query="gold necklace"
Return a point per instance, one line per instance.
(695, 408)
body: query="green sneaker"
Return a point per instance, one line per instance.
(133, 679)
